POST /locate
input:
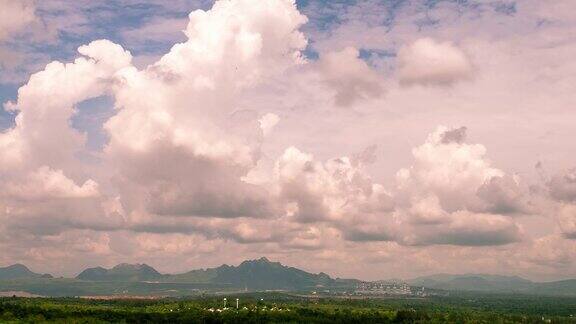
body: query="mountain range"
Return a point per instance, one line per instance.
(495, 283)
(20, 271)
(260, 274)
(254, 275)
(123, 272)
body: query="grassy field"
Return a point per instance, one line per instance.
(283, 308)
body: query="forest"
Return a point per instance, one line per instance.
(284, 308)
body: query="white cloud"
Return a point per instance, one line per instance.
(45, 187)
(45, 183)
(42, 134)
(179, 141)
(349, 76)
(330, 191)
(268, 122)
(429, 62)
(442, 198)
(449, 168)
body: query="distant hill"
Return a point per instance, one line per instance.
(122, 273)
(19, 271)
(260, 274)
(556, 288)
(474, 282)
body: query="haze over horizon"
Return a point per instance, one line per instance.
(365, 139)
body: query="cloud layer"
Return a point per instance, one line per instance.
(257, 135)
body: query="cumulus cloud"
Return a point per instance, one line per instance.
(349, 76)
(178, 140)
(180, 148)
(430, 62)
(316, 191)
(562, 191)
(452, 194)
(42, 132)
(45, 188)
(452, 170)
(561, 203)
(505, 195)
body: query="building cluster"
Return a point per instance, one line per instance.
(253, 308)
(384, 288)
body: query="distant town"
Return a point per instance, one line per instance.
(388, 289)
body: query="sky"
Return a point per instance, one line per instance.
(370, 139)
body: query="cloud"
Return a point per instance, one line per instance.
(157, 30)
(42, 134)
(427, 211)
(179, 145)
(561, 201)
(504, 195)
(453, 171)
(18, 21)
(552, 252)
(457, 135)
(268, 122)
(450, 195)
(14, 16)
(195, 159)
(330, 191)
(45, 188)
(350, 77)
(562, 186)
(178, 141)
(567, 220)
(429, 62)
(45, 183)
(468, 229)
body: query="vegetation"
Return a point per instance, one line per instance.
(285, 308)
